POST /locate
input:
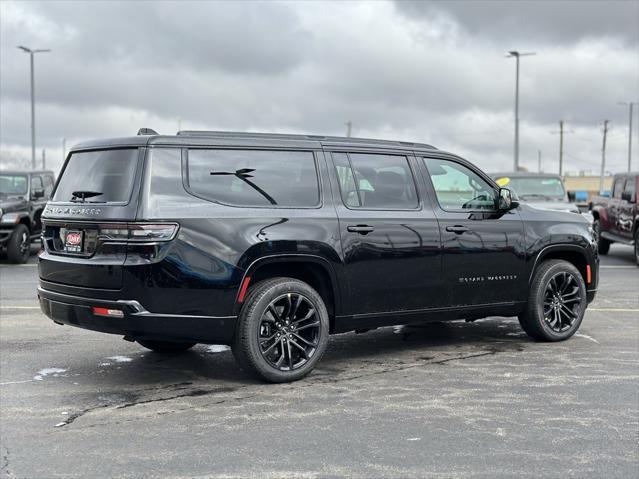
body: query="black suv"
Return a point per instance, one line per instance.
(23, 195)
(269, 243)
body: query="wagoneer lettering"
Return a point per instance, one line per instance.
(270, 243)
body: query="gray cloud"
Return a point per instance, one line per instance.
(534, 22)
(396, 70)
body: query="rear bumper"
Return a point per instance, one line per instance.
(137, 322)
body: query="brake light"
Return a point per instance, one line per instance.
(117, 313)
(137, 232)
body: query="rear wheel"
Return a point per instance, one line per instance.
(282, 330)
(603, 245)
(165, 346)
(557, 302)
(19, 246)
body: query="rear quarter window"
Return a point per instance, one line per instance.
(254, 177)
(107, 174)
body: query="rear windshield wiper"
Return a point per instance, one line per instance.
(84, 194)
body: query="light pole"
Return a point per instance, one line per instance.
(31, 53)
(516, 55)
(629, 105)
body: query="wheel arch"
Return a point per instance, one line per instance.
(313, 270)
(575, 255)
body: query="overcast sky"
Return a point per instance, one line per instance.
(432, 72)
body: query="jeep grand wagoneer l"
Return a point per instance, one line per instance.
(269, 243)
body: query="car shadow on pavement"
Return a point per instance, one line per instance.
(399, 344)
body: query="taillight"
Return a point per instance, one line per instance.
(137, 232)
(116, 313)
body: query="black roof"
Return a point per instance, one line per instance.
(203, 138)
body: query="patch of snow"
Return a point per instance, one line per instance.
(414, 439)
(104, 364)
(120, 359)
(60, 424)
(587, 337)
(217, 348)
(55, 372)
(64, 413)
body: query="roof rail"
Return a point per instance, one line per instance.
(287, 136)
(146, 131)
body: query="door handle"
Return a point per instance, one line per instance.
(361, 229)
(457, 229)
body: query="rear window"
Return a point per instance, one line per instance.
(254, 177)
(104, 176)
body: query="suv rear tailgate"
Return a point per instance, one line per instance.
(96, 187)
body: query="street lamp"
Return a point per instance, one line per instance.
(629, 105)
(31, 53)
(516, 55)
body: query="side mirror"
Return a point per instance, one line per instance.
(506, 200)
(37, 194)
(627, 196)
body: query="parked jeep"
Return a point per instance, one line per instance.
(616, 217)
(23, 195)
(269, 243)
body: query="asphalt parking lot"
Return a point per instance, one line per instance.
(442, 400)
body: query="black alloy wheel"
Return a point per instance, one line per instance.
(289, 332)
(556, 302)
(562, 301)
(282, 330)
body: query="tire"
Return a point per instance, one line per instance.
(268, 343)
(603, 245)
(556, 303)
(19, 245)
(166, 347)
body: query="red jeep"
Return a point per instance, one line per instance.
(617, 216)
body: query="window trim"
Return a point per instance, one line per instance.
(348, 153)
(189, 190)
(422, 157)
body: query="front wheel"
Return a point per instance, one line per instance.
(167, 347)
(19, 246)
(603, 245)
(557, 302)
(282, 330)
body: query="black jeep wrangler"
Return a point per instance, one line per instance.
(23, 195)
(269, 243)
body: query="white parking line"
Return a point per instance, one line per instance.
(616, 310)
(617, 267)
(19, 307)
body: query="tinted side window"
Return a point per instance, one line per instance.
(458, 187)
(48, 185)
(631, 186)
(375, 181)
(36, 183)
(254, 177)
(617, 188)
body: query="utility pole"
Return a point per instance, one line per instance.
(561, 148)
(349, 127)
(561, 133)
(31, 53)
(629, 105)
(603, 157)
(538, 161)
(43, 159)
(517, 55)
